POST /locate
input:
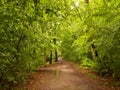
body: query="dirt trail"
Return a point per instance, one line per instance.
(60, 76)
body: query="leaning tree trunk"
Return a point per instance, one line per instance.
(92, 52)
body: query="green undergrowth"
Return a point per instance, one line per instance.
(89, 68)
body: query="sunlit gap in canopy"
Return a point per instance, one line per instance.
(76, 3)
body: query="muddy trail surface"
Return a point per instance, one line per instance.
(61, 76)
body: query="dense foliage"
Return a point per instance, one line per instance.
(98, 36)
(35, 31)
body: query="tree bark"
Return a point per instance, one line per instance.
(51, 57)
(56, 56)
(92, 51)
(45, 55)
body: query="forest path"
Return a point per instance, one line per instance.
(60, 76)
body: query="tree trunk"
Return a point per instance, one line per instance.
(45, 55)
(56, 56)
(51, 57)
(92, 51)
